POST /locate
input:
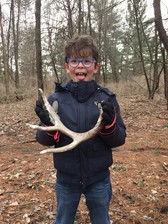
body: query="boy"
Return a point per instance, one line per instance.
(85, 169)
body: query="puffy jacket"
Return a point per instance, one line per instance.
(89, 161)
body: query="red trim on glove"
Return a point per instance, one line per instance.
(112, 124)
(111, 127)
(56, 136)
(108, 133)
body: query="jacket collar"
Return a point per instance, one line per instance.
(82, 90)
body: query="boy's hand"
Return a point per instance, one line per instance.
(109, 114)
(42, 113)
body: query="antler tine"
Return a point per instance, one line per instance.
(48, 106)
(59, 126)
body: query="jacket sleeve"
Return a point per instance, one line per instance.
(118, 135)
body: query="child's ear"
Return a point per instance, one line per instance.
(67, 67)
(96, 68)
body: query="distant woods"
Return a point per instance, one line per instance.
(131, 43)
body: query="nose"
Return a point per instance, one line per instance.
(80, 64)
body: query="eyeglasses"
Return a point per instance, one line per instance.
(73, 62)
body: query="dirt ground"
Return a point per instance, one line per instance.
(139, 172)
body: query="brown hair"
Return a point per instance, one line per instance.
(81, 46)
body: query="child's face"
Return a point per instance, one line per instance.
(81, 68)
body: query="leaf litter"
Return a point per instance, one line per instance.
(139, 173)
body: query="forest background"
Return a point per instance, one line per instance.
(131, 48)
(132, 37)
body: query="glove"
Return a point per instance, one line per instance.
(109, 114)
(42, 113)
(109, 117)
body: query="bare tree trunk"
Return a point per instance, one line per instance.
(98, 77)
(113, 67)
(79, 16)
(38, 44)
(140, 46)
(16, 40)
(5, 56)
(164, 39)
(159, 24)
(165, 69)
(166, 81)
(89, 16)
(153, 86)
(53, 59)
(70, 23)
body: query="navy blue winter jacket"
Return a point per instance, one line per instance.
(89, 161)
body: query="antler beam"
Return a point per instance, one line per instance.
(59, 126)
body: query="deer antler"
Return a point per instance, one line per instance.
(59, 126)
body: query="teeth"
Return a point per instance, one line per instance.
(81, 74)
